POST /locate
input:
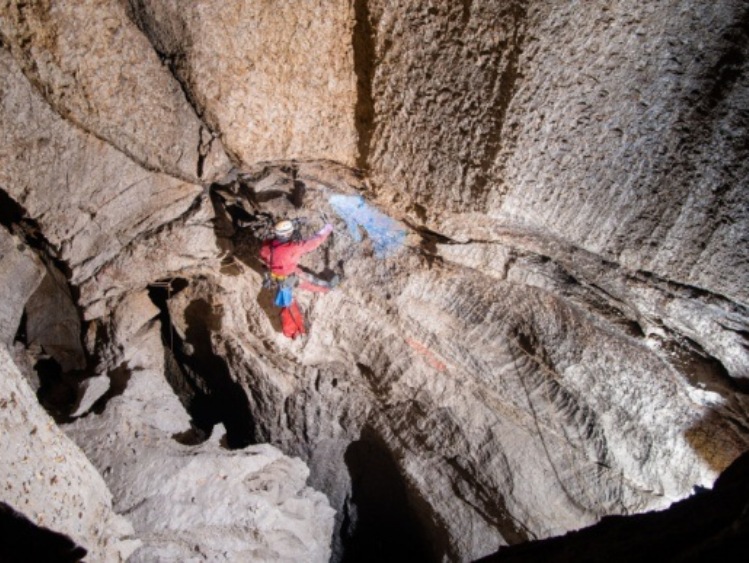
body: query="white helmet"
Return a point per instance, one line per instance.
(283, 229)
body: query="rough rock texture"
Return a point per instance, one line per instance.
(53, 321)
(528, 390)
(95, 68)
(46, 477)
(90, 200)
(116, 227)
(43, 473)
(720, 531)
(186, 502)
(617, 130)
(545, 321)
(21, 272)
(275, 79)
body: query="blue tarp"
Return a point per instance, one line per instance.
(387, 234)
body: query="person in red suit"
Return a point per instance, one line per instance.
(281, 256)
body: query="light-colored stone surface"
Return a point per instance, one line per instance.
(618, 129)
(95, 68)
(91, 201)
(43, 474)
(562, 334)
(21, 272)
(191, 503)
(48, 479)
(501, 388)
(275, 79)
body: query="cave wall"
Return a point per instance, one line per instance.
(44, 475)
(104, 77)
(516, 401)
(618, 129)
(554, 338)
(274, 80)
(109, 190)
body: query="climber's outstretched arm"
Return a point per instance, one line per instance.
(316, 240)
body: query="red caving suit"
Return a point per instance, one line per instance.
(282, 259)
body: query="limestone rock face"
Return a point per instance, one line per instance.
(46, 477)
(90, 200)
(21, 272)
(43, 474)
(620, 131)
(206, 501)
(543, 317)
(95, 68)
(488, 430)
(275, 79)
(116, 227)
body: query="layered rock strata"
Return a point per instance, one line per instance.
(95, 68)
(535, 365)
(114, 226)
(619, 131)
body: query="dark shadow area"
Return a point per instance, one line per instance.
(709, 526)
(58, 391)
(378, 522)
(365, 44)
(11, 213)
(22, 541)
(226, 400)
(51, 327)
(200, 378)
(297, 194)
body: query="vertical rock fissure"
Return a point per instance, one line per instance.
(52, 327)
(506, 83)
(136, 11)
(364, 67)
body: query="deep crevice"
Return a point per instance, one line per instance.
(200, 378)
(60, 360)
(119, 377)
(57, 392)
(171, 60)
(379, 524)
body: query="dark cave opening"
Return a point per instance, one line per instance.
(200, 378)
(56, 393)
(379, 522)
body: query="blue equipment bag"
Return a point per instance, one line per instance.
(284, 297)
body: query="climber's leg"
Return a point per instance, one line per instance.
(308, 282)
(292, 321)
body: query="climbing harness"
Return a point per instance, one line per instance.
(284, 289)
